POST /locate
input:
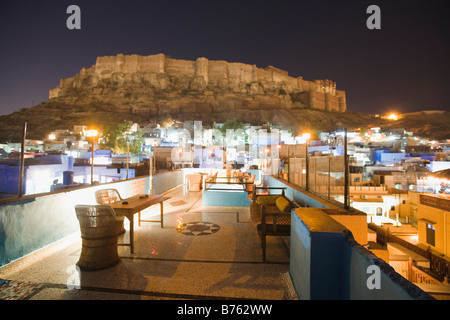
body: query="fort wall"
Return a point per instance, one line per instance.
(163, 72)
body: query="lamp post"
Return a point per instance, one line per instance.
(279, 160)
(128, 155)
(306, 136)
(22, 160)
(346, 173)
(154, 154)
(93, 134)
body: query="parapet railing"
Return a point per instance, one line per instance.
(438, 265)
(435, 202)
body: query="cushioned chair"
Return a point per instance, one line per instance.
(100, 229)
(271, 215)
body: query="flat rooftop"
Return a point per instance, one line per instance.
(201, 253)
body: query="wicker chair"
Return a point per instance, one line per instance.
(100, 229)
(107, 196)
(267, 217)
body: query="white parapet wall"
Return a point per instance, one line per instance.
(32, 222)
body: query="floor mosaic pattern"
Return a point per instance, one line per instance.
(14, 290)
(198, 228)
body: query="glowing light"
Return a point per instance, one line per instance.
(306, 135)
(51, 136)
(91, 133)
(179, 224)
(393, 116)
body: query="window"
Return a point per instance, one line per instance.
(379, 211)
(392, 208)
(431, 234)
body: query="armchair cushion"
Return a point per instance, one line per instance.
(269, 200)
(283, 204)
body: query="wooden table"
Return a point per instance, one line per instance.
(128, 207)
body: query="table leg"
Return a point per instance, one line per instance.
(131, 218)
(162, 211)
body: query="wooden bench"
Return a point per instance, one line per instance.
(267, 217)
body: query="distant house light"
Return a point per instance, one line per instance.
(393, 116)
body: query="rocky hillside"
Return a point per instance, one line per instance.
(51, 115)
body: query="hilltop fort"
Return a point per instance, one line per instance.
(156, 85)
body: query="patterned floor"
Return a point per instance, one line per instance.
(198, 228)
(14, 290)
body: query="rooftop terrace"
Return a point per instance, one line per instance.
(216, 255)
(201, 252)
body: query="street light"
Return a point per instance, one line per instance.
(306, 136)
(154, 154)
(279, 160)
(93, 134)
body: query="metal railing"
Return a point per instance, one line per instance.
(324, 176)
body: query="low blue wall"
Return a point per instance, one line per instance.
(217, 198)
(333, 266)
(33, 222)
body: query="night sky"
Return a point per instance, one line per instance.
(402, 67)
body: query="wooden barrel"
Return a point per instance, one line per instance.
(100, 229)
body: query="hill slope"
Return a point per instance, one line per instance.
(51, 115)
